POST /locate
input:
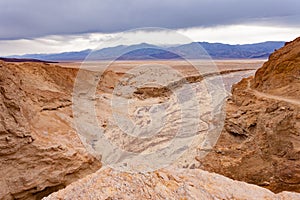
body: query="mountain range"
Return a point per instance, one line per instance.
(144, 51)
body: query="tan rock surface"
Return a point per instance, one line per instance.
(164, 184)
(260, 143)
(39, 150)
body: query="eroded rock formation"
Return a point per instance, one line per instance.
(260, 143)
(39, 150)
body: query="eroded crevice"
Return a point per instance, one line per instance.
(56, 108)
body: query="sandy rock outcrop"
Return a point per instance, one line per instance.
(260, 143)
(165, 184)
(39, 149)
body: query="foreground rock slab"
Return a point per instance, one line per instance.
(164, 184)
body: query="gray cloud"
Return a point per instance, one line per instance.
(36, 18)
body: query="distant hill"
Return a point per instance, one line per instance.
(226, 51)
(149, 54)
(80, 55)
(24, 60)
(146, 51)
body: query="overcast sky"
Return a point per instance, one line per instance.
(35, 26)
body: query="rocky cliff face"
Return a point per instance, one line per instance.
(260, 143)
(39, 150)
(281, 74)
(164, 184)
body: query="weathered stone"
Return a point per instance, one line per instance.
(39, 149)
(189, 184)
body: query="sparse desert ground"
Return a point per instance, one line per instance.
(122, 66)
